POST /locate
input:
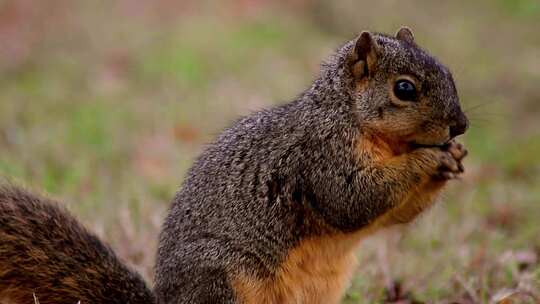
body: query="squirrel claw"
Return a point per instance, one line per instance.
(450, 161)
(449, 164)
(457, 150)
(445, 175)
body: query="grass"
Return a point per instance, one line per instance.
(107, 112)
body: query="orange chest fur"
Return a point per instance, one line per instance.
(380, 149)
(316, 271)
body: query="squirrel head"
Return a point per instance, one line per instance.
(399, 90)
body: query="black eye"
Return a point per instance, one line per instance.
(405, 90)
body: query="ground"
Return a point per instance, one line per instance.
(104, 106)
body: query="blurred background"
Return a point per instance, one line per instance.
(105, 104)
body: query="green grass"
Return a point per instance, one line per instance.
(108, 112)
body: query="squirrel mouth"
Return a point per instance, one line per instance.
(443, 144)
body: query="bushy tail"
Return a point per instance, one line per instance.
(45, 252)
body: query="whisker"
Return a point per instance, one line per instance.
(493, 116)
(481, 124)
(474, 107)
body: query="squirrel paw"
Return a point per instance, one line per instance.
(450, 166)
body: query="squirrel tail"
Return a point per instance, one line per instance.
(47, 256)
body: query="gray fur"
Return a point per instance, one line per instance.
(290, 172)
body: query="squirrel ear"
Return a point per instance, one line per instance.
(405, 34)
(364, 55)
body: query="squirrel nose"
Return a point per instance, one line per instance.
(461, 124)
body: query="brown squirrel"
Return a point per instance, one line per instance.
(272, 211)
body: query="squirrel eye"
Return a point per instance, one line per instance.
(405, 90)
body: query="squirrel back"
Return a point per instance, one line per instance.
(48, 257)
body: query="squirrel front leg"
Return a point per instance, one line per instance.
(375, 184)
(425, 193)
(392, 189)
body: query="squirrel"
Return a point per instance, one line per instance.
(273, 210)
